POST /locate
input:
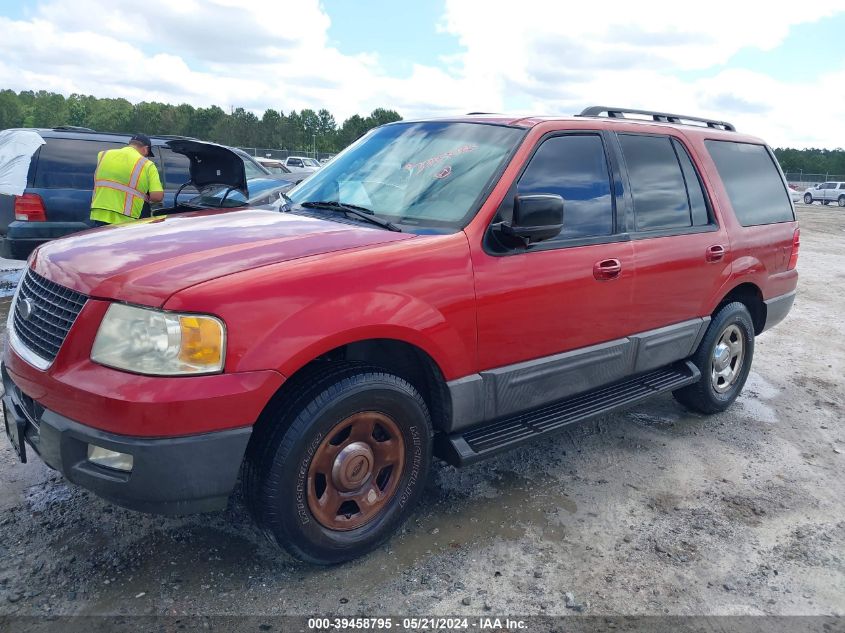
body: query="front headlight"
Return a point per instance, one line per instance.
(148, 341)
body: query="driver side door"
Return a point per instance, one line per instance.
(553, 316)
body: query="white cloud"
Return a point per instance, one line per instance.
(253, 54)
(539, 56)
(560, 57)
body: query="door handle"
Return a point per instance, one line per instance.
(607, 269)
(715, 253)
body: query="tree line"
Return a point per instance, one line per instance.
(812, 161)
(243, 128)
(240, 127)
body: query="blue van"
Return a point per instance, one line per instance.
(59, 184)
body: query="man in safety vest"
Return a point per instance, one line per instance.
(124, 180)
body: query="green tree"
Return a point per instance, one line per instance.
(49, 109)
(380, 116)
(11, 113)
(77, 110)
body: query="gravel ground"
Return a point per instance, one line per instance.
(651, 511)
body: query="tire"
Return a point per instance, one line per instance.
(717, 390)
(825, 202)
(340, 464)
(841, 201)
(808, 198)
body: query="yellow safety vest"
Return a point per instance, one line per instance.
(121, 182)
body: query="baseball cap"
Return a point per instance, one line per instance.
(143, 139)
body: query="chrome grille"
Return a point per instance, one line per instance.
(44, 313)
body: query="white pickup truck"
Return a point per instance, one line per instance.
(302, 164)
(826, 193)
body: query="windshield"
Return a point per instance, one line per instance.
(252, 169)
(426, 174)
(258, 188)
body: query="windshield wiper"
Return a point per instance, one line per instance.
(351, 209)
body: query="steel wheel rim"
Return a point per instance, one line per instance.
(355, 471)
(728, 356)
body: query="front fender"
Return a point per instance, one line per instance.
(324, 325)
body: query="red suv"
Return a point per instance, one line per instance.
(446, 288)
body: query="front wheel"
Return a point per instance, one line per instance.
(841, 201)
(724, 359)
(343, 466)
(808, 198)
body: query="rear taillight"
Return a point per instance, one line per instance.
(796, 244)
(30, 208)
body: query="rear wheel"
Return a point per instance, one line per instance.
(343, 465)
(841, 201)
(724, 360)
(808, 198)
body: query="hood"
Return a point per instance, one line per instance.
(211, 164)
(147, 261)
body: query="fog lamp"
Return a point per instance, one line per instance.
(110, 459)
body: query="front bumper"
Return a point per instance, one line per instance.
(179, 475)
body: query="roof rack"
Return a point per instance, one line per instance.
(474, 113)
(661, 117)
(72, 128)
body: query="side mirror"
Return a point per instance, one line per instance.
(536, 218)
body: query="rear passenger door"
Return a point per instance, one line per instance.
(682, 255)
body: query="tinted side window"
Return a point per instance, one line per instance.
(842, 185)
(695, 192)
(753, 182)
(177, 168)
(65, 163)
(657, 184)
(575, 168)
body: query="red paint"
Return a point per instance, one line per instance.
(291, 288)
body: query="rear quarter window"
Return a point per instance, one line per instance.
(177, 168)
(753, 182)
(65, 163)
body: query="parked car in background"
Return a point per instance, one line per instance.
(57, 195)
(826, 193)
(302, 164)
(795, 193)
(273, 165)
(450, 288)
(277, 167)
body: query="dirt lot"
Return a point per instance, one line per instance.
(652, 511)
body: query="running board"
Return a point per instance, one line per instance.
(490, 438)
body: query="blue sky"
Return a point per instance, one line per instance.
(405, 34)
(731, 61)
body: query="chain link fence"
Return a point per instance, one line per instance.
(803, 180)
(281, 154)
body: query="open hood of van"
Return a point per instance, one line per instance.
(212, 165)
